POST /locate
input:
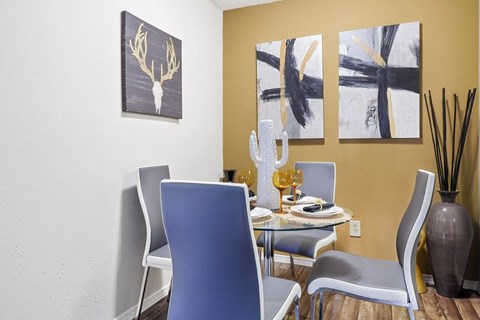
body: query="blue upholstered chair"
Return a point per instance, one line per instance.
(157, 252)
(216, 271)
(319, 181)
(381, 281)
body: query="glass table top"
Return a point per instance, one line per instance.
(292, 220)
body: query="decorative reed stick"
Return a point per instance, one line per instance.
(448, 174)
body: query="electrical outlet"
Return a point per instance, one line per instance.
(355, 228)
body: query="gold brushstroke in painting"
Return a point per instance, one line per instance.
(283, 107)
(307, 57)
(368, 50)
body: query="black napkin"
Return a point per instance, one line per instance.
(318, 207)
(300, 196)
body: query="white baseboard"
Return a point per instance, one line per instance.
(301, 261)
(147, 303)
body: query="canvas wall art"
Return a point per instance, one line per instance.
(379, 80)
(151, 69)
(290, 86)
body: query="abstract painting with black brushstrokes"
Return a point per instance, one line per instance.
(379, 79)
(290, 86)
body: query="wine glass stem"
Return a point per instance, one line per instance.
(294, 195)
(281, 208)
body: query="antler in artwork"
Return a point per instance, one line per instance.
(171, 63)
(139, 51)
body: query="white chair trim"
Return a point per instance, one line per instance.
(413, 241)
(377, 293)
(160, 258)
(326, 241)
(147, 218)
(295, 292)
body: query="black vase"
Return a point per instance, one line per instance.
(449, 240)
(229, 174)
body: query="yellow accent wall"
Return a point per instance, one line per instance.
(374, 177)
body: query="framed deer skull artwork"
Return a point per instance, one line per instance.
(151, 69)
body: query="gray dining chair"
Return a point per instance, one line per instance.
(157, 252)
(380, 281)
(319, 180)
(216, 271)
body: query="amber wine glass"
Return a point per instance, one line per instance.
(296, 181)
(281, 180)
(246, 176)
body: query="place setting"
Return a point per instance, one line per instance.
(258, 213)
(317, 213)
(300, 199)
(299, 202)
(311, 207)
(319, 209)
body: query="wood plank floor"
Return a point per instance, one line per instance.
(432, 305)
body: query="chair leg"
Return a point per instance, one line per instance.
(273, 264)
(333, 246)
(312, 305)
(410, 312)
(297, 308)
(169, 290)
(320, 308)
(292, 267)
(142, 293)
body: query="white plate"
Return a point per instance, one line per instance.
(254, 198)
(304, 200)
(258, 213)
(322, 213)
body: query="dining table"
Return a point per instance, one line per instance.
(293, 220)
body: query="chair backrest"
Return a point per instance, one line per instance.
(216, 271)
(148, 188)
(319, 179)
(410, 227)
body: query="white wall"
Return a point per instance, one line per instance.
(71, 229)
